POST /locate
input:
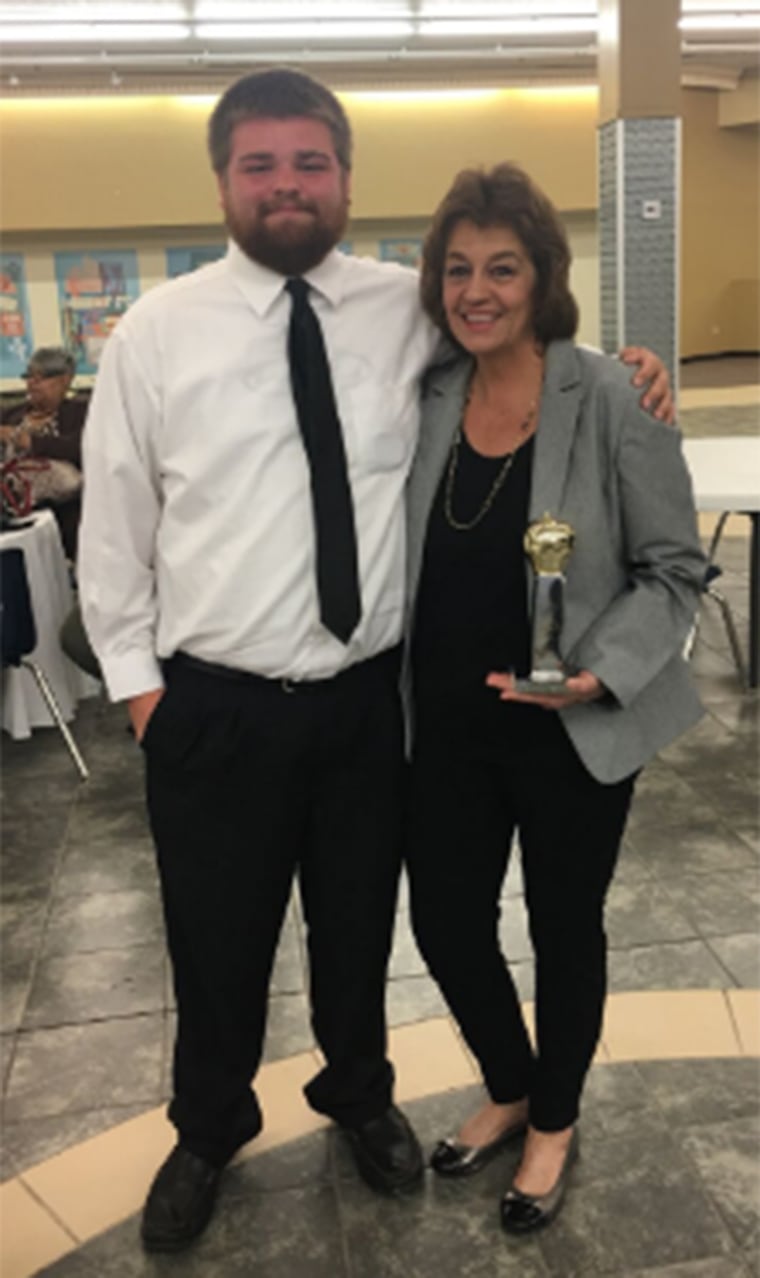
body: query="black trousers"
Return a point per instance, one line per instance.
(470, 791)
(248, 783)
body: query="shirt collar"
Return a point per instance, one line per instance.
(262, 287)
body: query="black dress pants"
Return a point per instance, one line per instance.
(470, 791)
(248, 783)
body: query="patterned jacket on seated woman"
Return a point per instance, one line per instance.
(48, 425)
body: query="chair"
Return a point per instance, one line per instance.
(712, 572)
(76, 645)
(18, 638)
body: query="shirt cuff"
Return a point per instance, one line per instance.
(128, 674)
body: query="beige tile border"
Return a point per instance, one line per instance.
(662, 1024)
(430, 1057)
(101, 1181)
(718, 396)
(735, 526)
(67, 1200)
(30, 1238)
(286, 1115)
(744, 1006)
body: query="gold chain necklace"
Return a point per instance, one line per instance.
(448, 497)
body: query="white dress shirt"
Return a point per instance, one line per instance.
(197, 531)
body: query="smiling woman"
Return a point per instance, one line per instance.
(488, 288)
(503, 203)
(523, 423)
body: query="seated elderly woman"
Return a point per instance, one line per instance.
(48, 425)
(522, 423)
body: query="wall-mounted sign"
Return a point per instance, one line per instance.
(94, 291)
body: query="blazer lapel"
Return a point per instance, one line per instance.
(441, 414)
(560, 404)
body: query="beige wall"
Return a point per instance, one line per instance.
(720, 253)
(407, 148)
(104, 162)
(109, 162)
(742, 105)
(132, 173)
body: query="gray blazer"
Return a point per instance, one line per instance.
(636, 570)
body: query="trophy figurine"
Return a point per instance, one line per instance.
(549, 543)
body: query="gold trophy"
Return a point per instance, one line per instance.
(549, 543)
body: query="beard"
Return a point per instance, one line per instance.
(291, 248)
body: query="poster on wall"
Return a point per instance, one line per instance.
(180, 261)
(405, 252)
(94, 291)
(16, 342)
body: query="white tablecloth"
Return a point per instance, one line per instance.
(52, 599)
(725, 471)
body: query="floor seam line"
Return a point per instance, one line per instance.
(734, 1024)
(45, 1206)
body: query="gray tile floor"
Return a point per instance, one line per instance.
(87, 1005)
(738, 370)
(667, 1185)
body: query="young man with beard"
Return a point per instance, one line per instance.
(257, 650)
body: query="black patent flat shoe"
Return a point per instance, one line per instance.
(523, 1213)
(453, 1158)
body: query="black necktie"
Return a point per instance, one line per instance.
(337, 573)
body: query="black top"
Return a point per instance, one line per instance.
(471, 616)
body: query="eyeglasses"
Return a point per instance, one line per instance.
(42, 377)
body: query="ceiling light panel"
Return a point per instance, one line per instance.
(350, 10)
(465, 28)
(718, 8)
(94, 32)
(720, 22)
(303, 32)
(193, 33)
(88, 13)
(505, 9)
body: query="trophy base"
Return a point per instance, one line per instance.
(543, 683)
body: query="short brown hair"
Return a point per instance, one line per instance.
(505, 196)
(279, 94)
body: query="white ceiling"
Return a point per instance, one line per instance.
(199, 45)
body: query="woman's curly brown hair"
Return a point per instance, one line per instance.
(505, 196)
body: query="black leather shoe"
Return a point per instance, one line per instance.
(180, 1201)
(453, 1158)
(522, 1213)
(387, 1152)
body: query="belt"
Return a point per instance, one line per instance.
(183, 660)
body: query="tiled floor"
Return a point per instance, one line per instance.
(668, 1180)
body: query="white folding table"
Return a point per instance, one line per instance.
(725, 471)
